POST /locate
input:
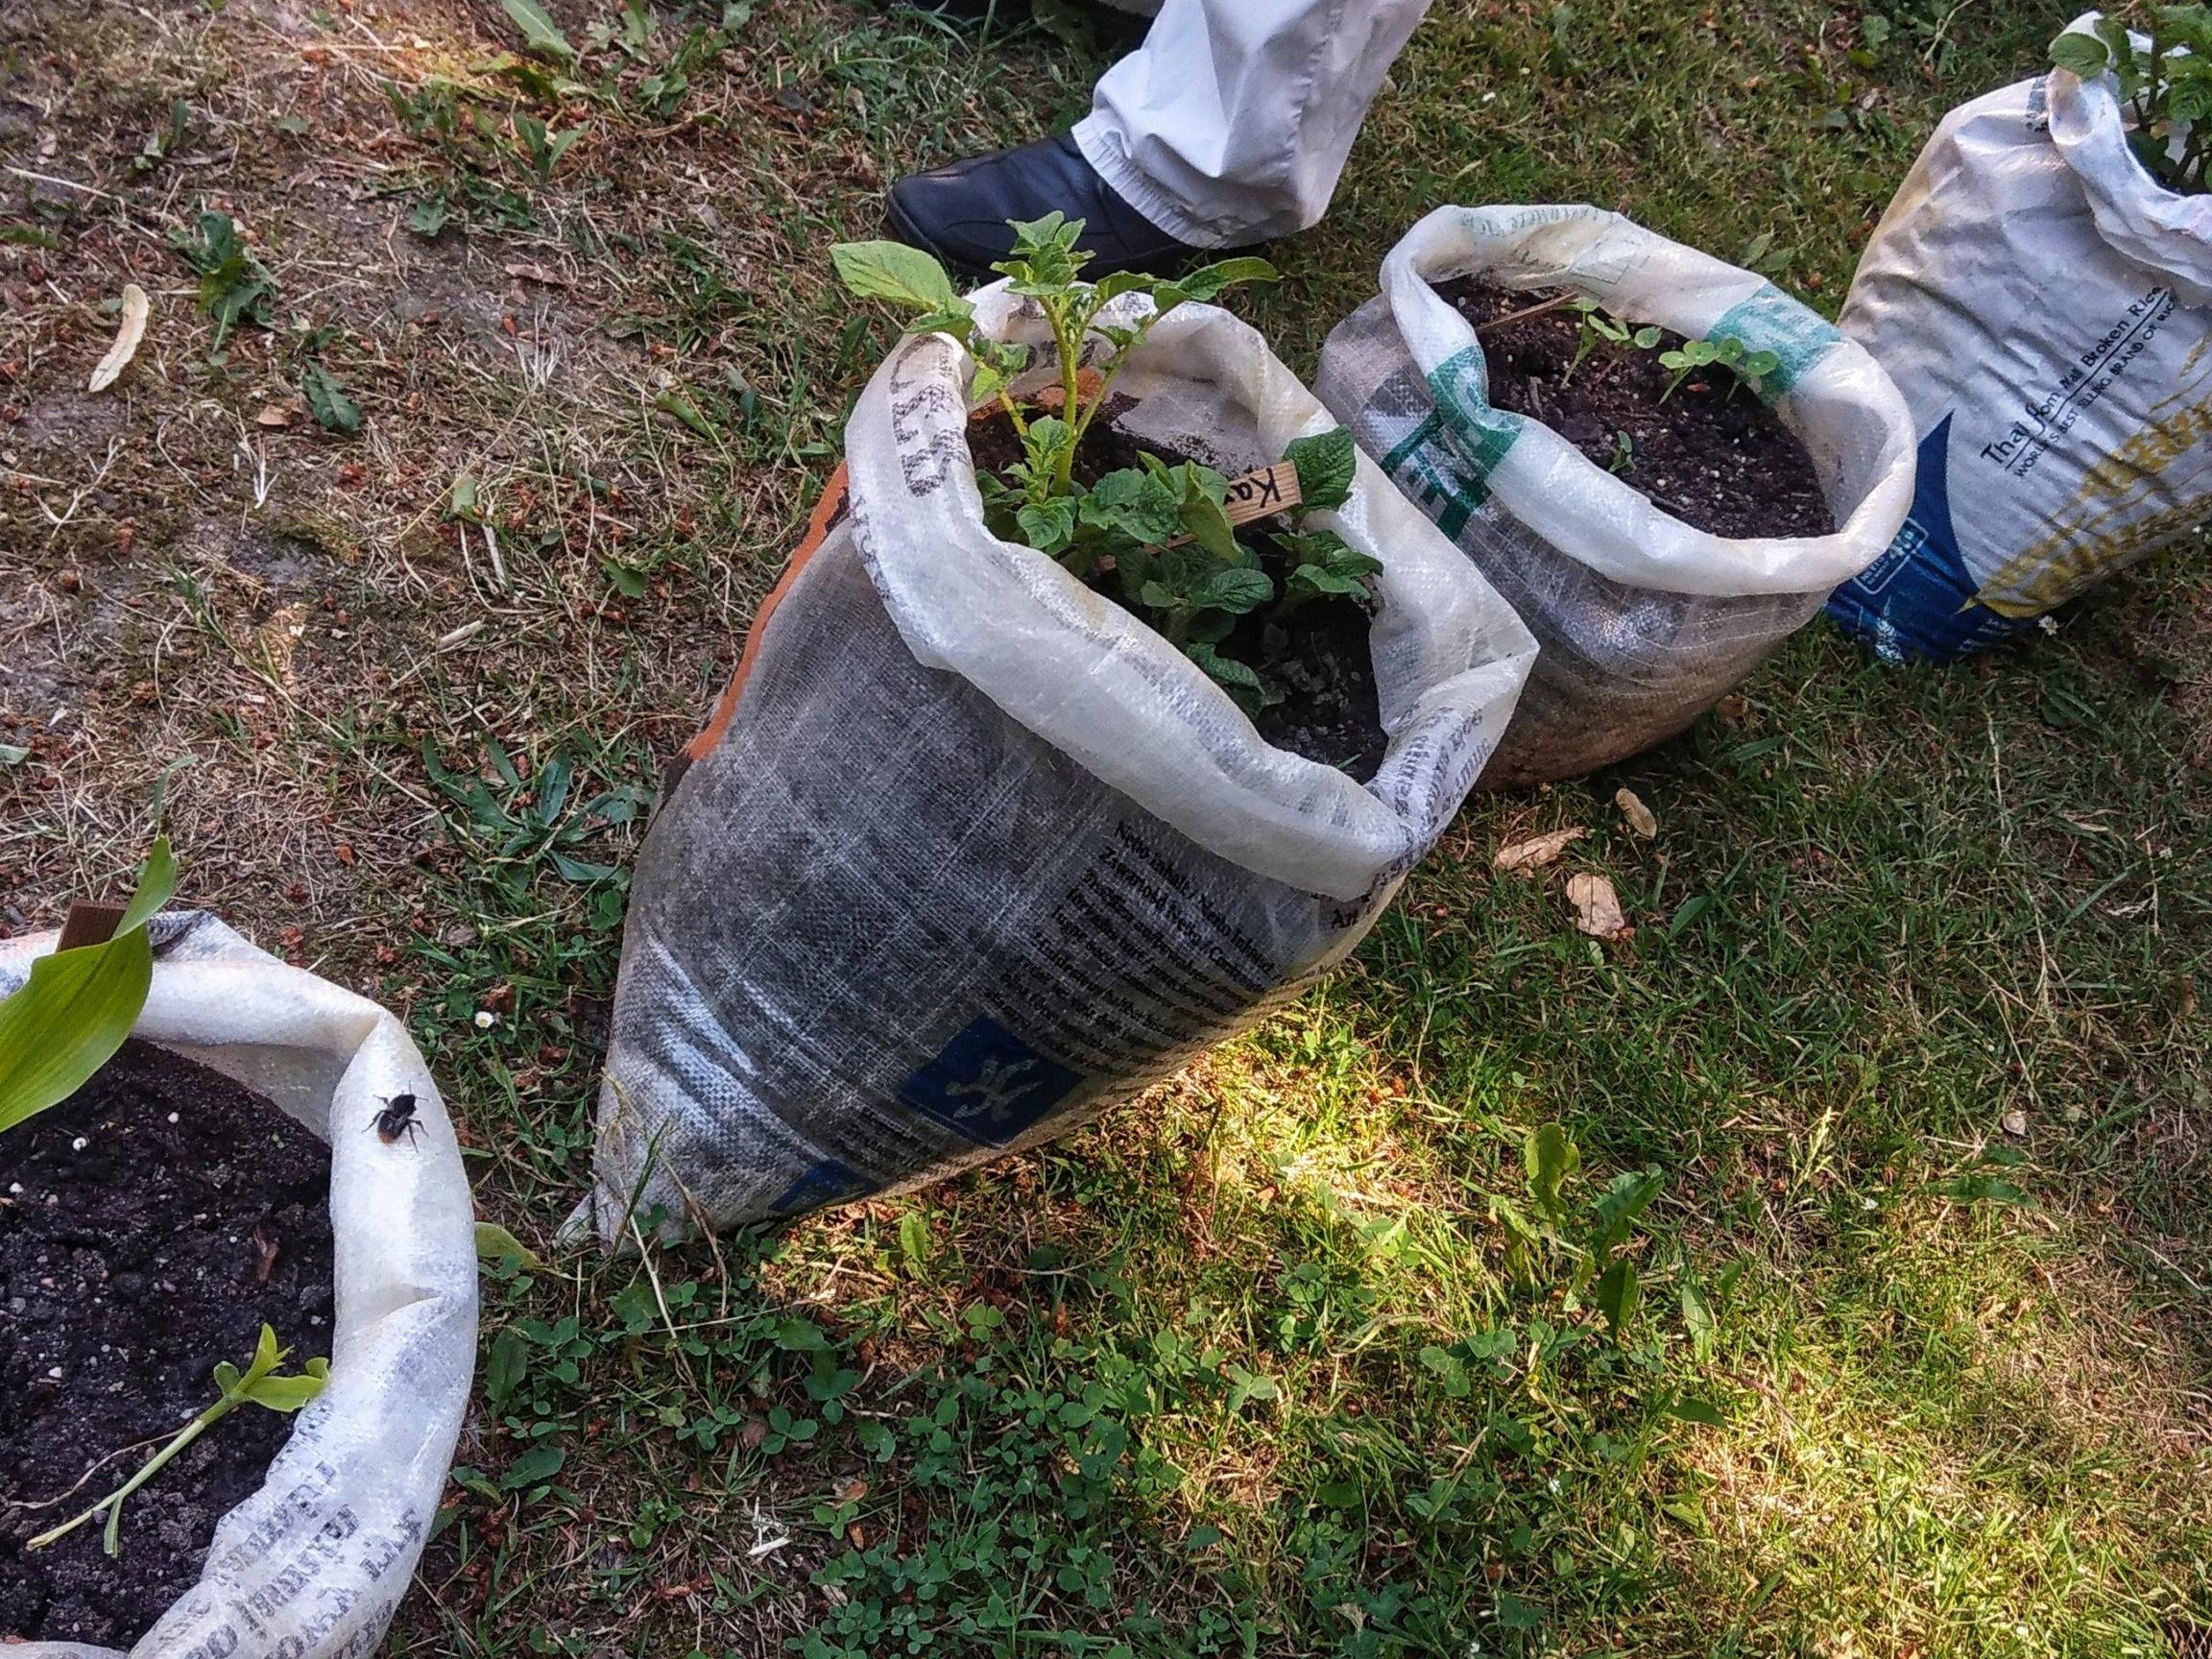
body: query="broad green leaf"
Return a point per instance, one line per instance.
(1324, 581)
(74, 1007)
(1618, 1293)
(287, 1394)
(539, 1464)
(1549, 1158)
(914, 1240)
(894, 272)
(539, 31)
(1209, 282)
(1697, 1319)
(1048, 525)
(13, 754)
(1327, 464)
(1514, 1613)
(1689, 1409)
(508, 1365)
(1206, 524)
(494, 1244)
(156, 882)
(1134, 504)
(334, 410)
(1235, 589)
(1628, 1197)
(1232, 676)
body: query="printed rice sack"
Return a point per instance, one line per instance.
(314, 1563)
(2042, 304)
(1644, 621)
(969, 853)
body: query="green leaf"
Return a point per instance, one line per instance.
(894, 272)
(1238, 679)
(2082, 55)
(1689, 1409)
(539, 1464)
(1134, 504)
(287, 1394)
(508, 1366)
(494, 1244)
(75, 1008)
(13, 754)
(1515, 1612)
(914, 1240)
(1209, 282)
(1327, 464)
(1618, 1293)
(1236, 589)
(1206, 524)
(1048, 525)
(1697, 1319)
(1549, 1158)
(334, 411)
(1323, 581)
(539, 31)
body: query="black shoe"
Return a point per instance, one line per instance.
(959, 212)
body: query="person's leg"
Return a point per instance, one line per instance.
(1232, 122)
(1229, 126)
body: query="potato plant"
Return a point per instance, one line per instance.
(1162, 530)
(2165, 82)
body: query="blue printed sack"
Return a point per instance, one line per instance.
(2042, 304)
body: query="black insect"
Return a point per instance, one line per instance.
(398, 1118)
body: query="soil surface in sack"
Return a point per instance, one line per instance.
(149, 1227)
(1711, 454)
(1330, 710)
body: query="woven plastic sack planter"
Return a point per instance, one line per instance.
(2046, 308)
(314, 1563)
(1643, 622)
(970, 854)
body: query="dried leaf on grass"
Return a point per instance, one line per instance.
(1597, 907)
(284, 412)
(1638, 815)
(128, 331)
(1537, 851)
(539, 274)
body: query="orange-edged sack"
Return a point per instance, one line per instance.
(969, 853)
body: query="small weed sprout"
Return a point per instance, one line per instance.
(1598, 328)
(260, 1384)
(234, 286)
(2166, 86)
(1750, 367)
(1624, 454)
(1163, 531)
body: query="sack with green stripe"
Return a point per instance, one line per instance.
(1643, 621)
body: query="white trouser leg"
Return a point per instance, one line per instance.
(1231, 122)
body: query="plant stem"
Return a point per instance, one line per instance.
(112, 1540)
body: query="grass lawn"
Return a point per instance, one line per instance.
(1907, 1053)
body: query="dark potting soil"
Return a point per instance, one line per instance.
(149, 1227)
(1711, 454)
(1330, 710)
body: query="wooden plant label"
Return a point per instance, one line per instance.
(1257, 494)
(88, 922)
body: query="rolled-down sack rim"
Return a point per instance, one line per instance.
(2160, 230)
(1081, 672)
(309, 1565)
(1638, 275)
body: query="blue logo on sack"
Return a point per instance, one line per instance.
(988, 1085)
(826, 1183)
(1917, 600)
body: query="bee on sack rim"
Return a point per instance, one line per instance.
(396, 1118)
